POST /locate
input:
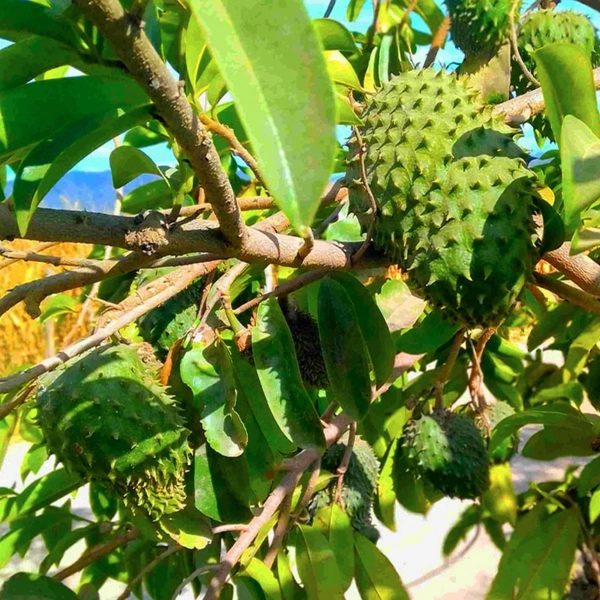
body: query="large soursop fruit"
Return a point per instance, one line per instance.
(448, 450)
(164, 325)
(104, 416)
(359, 485)
(544, 27)
(454, 196)
(479, 26)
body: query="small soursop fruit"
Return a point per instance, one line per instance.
(544, 27)
(305, 333)
(479, 26)
(164, 325)
(448, 450)
(105, 417)
(359, 485)
(495, 413)
(455, 199)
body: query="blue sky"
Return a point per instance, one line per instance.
(98, 161)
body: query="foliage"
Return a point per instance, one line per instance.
(288, 335)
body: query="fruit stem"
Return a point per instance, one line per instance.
(447, 368)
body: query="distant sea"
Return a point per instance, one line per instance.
(85, 190)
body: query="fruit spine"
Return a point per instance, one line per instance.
(453, 194)
(104, 416)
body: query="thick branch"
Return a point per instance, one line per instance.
(580, 269)
(141, 59)
(568, 292)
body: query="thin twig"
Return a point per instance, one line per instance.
(97, 552)
(37, 248)
(329, 9)
(406, 16)
(229, 527)
(190, 578)
(515, 44)
(280, 530)
(437, 42)
(568, 292)
(447, 369)
(308, 493)
(56, 261)
(149, 567)
(20, 398)
(343, 466)
(476, 378)
(373, 29)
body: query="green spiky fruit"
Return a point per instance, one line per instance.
(106, 418)
(455, 199)
(539, 29)
(493, 414)
(359, 485)
(307, 344)
(479, 26)
(448, 450)
(164, 325)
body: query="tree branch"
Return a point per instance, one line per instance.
(568, 292)
(136, 52)
(580, 269)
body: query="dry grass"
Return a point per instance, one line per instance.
(22, 339)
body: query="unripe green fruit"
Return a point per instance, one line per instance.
(106, 418)
(448, 450)
(454, 197)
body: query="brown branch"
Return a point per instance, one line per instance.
(179, 281)
(580, 269)
(234, 144)
(300, 463)
(343, 467)
(38, 248)
(568, 292)
(97, 552)
(280, 531)
(56, 261)
(437, 42)
(229, 527)
(20, 398)
(135, 50)
(447, 369)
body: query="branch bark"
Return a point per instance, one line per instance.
(140, 58)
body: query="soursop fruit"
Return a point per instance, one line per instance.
(448, 451)
(164, 325)
(106, 418)
(544, 27)
(454, 197)
(359, 485)
(493, 414)
(479, 26)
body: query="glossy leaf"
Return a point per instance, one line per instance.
(30, 586)
(290, 122)
(556, 414)
(468, 519)
(589, 477)
(206, 368)
(279, 375)
(372, 325)
(431, 333)
(385, 499)
(290, 590)
(67, 540)
(57, 305)
(264, 577)
(344, 349)
(188, 528)
(353, 10)
(341, 71)
(221, 486)
(538, 558)
(334, 36)
(580, 156)
(580, 348)
(149, 196)
(51, 159)
(103, 505)
(376, 578)
(399, 307)
(500, 500)
(127, 163)
(335, 525)
(565, 74)
(594, 507)
(316, 564)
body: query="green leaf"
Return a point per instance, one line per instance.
(572, 390)
(60, 304)
(316, 564)
(52, 158)
(335, 525)
(595, 507)
(431, 333)
(103, 505)
(556, 414)
(30, 586)
(127, 163)
(580, 156)
(290, 590)
(149, 196)
(565, 74)
(580, 348)
(206, 368)
(538, 558)
(221, 486)
(67, 540)
(282, 92)
(34, 459)
(279, 374)
(554, 442)
(470, 517)
(554, 227)
(412, 493)
(334, 36)
(341, 71)
(385, 500)
(399, 307)
(376, 578)
(188, 527)
(66, 101)
(353, 10)
(344, 349)
(248, 381)
(264, 577)
(589, 477)
(372, 325)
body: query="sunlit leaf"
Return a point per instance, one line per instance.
(30, 586)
